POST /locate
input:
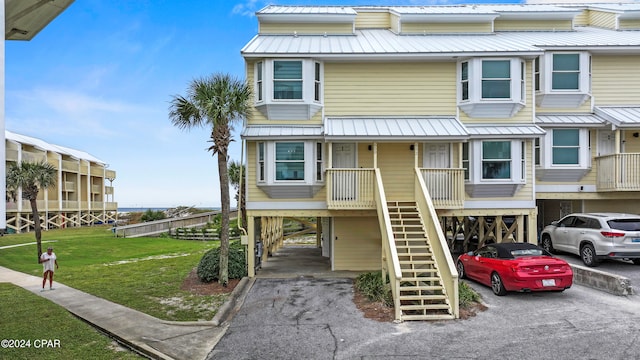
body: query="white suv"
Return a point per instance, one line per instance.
(595, 236)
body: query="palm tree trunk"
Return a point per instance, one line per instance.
(223, 277)
(36, 225)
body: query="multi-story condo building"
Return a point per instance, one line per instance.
(411, 132)
(83, 193)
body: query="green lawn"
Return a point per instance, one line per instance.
(141, 273)
(47, 331)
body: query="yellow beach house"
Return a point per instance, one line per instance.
(414, 132)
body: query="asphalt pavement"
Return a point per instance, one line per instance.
(307, 318)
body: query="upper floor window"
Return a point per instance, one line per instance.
(287, 80)
(465, 159)
(536, 73)
(259, 86)
(565, 148)
(289, 160)
(491, 88)
(565, 72)
(317, 82)
(261, 169)
(496, 79)
(319, 162)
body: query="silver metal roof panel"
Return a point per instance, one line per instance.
(43, 145)
(394, 128)
(620, 116)
(504, 131)
(570, 120)
(271, 132)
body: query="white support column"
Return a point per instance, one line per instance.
(251, 246)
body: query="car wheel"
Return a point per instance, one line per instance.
(497, 286)
(460, 268)
(546, 244)
(588, 255)
(636, 261)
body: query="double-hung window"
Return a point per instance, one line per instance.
(465, 159)
(317, 88)
(464, 81)
(565, 148)
(565, 72)
(319, 173)
(261, 157)
(496, 160)
(287, 80)
(289, 160)
(496, 79)
(259, 84)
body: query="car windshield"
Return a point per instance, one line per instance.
(527, 252)
(625, 224)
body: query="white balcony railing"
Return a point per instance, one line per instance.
(618, 172)
(446, 187)
(350, 189)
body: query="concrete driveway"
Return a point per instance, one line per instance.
(309, 318)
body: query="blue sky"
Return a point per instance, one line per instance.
(100, 77)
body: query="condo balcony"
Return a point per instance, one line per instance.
(618, 172)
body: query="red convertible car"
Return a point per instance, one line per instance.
(515, 267)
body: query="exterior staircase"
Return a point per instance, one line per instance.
(422, 295)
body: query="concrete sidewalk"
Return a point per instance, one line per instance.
(148, 335)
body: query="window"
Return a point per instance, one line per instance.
(523, 83)
(287, 80)
(566, 72)
(537, 151)
(536, 73)
(259, 81)
(465, 160)
(496, 79)
(261, 174)
(319, 162)
(464, 80)
(289, 161)
(316, 85)
(496, 160)
(523, 163)
(565, 148)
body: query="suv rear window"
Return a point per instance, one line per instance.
(625, 224)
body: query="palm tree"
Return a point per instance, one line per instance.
(31, 177)
(217, 102)
(235, 169)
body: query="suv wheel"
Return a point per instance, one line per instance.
(588, 255)
(546, 244)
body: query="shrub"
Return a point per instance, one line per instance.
(370, 284)
(209, 268)
(466, 295)
(151, 215)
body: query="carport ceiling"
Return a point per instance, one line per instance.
(25, 18)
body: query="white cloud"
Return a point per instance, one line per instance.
(247, 8)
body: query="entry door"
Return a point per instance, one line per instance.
(606, 142)
(344, 182)
(439, 182)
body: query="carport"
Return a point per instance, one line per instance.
(293, 261)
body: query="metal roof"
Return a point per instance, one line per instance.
(271, 132)
(368, 42)
(572, 120)
(25, 18)
(45, 146)
(314, 10)
(504, 131)
(394, 128)
(620, 116)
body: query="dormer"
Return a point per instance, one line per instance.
(424, 20)
(623, 16)
(534, 18)
(306, 20)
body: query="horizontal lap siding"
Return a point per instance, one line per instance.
(629, 24)
(602, 19)
(445, 28)
(584, 108)
(306, 28)
(372, 20)
(390, 89)
(357, 244)
(615, 79)
(581, 19)
(396, 163)
(515, 25)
